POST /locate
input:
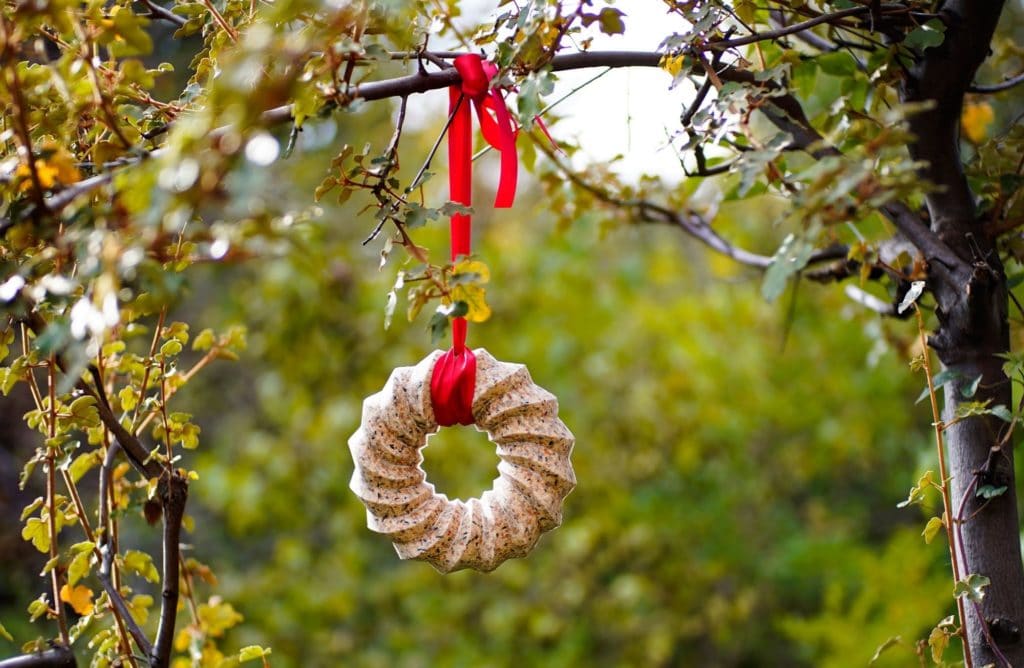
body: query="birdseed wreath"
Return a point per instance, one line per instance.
(535, 473)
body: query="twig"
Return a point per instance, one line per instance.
(158, 12)
(107, 551)
(947, 506)
(221, 21)
(690, 222)
(995, 88)
(51, 499)
(173, 491)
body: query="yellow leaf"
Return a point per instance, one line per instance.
(216, 617)
(932, 529)
(672, 64)
(128, 398)
(80, 598)
(475, 298)
(37, 531)
(938, 640)
(55, 166)
(975, 120)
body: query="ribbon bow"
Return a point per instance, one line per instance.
(454, 378)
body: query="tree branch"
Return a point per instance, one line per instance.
(106, 570)
(173, 491)
(996, 88)
(689, 222)
(158, 12)
(57, 656)
(939, 80)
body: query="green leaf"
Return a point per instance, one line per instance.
(611, 21)
(973, 587)
(891, 642)
(932, 529)
(36, 531)
(203, 341)
(142, 564)
(926, 36)
(37, 608)
(170, 348)
(991, 491)
(1002, 412)
(4, 633)
(969, 390)
(917, 492)
(790, 258)
(79, 567)
(252, 652)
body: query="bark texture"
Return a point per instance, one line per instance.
(971, 296)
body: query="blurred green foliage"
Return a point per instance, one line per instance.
(739, 465)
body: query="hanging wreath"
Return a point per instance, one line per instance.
(534, 474)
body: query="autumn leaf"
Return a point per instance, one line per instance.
(80, 598)
(55, 166)
(932, 529)
(672, 64)
(468, 277)
(976, 119)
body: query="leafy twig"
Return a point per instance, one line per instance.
(947, 506)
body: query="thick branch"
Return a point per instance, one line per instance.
(939, 78)
(55, 657)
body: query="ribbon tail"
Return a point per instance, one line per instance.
(499, 131)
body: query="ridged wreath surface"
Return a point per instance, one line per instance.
(534, 474)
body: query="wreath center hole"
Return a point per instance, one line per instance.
(460, 461)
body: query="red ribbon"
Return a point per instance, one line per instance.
(454, 378)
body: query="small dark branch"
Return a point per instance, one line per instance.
(996, 88)
(805, 36)
(797, 28)
(698, 100)
(57, 656)
(919, 234)
(137, 454)
(158, 12)
(107, 550)
(173, 491)
(688, 221)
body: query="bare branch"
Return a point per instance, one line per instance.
(57, 656)
(173, 491)
(805, 36)
(688, 221)
(996, 88)
(158, 12)
(107, 551)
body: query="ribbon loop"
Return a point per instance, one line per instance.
(451, 387)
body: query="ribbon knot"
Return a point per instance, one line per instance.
(454, 378)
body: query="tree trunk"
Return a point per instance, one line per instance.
(971, 298)
(987, 531)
